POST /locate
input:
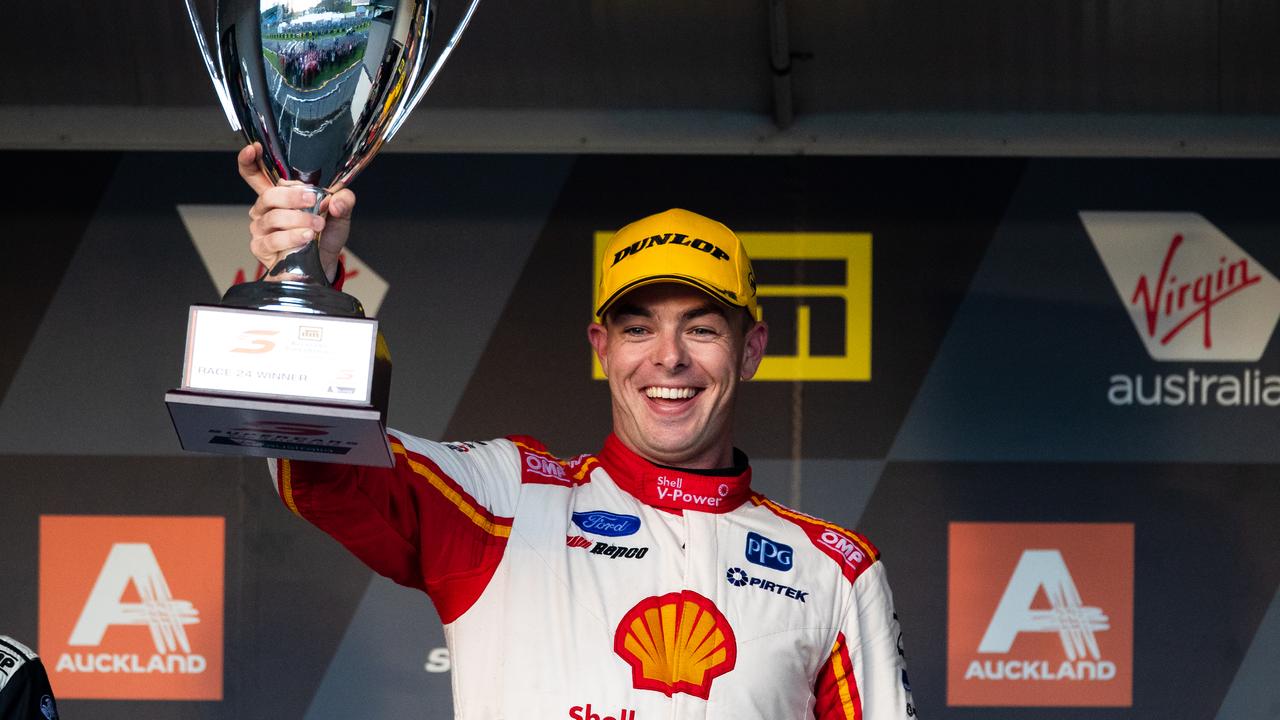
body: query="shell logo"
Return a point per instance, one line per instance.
(678, 642)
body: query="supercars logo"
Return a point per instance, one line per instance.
(131, 607)
(1040, 615)
(255, 342)
(1191, 292)
(837, 300)
(676, 643)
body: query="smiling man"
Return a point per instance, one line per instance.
(643, 581)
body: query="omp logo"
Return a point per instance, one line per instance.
(539, 465)
(815, 291)
(255, 341)
(1040, 615)
(217, 231)
(1191, 292)
(847, 548)
(676, 643)
(131, 607)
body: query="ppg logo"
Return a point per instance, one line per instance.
(763, 551)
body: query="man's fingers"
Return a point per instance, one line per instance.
(271, 247)
(340, 204)
(282, 196)
(282, 219)
(250, 170)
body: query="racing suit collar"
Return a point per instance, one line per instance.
(677, 489)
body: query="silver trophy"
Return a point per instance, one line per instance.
(321, 84)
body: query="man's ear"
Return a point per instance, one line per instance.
(753, 350)
(598, 336)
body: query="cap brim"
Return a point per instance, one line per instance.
(720, 295)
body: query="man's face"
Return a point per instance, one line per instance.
(674, 357)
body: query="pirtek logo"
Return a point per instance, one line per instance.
(738, 577)
(1191, 292)
(669, 238)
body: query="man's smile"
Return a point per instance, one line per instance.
(659, 392)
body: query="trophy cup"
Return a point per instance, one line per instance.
(289, 366)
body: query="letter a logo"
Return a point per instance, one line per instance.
(1067, 616)
(134, 564)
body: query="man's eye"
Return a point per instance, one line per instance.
(634, 331)
(703, 332)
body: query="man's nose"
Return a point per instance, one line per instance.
(669, 351)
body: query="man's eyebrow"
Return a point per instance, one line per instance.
(628, 309)
(710, 308)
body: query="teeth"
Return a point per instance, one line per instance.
(669, 393)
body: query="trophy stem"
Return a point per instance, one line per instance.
(297, 283)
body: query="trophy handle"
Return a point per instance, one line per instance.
(429, 78)
(215, 72)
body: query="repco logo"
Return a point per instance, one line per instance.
(672, 239)
(131, 607)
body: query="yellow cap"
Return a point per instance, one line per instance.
(678, 246)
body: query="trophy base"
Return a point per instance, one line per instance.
(280, 384)
(290, 296)
(233, 425)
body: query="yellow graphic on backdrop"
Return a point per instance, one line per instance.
(852, 249)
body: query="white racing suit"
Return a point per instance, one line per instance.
(603, 587)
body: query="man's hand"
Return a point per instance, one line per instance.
(280, 221)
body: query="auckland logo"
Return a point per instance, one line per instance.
(1040, 614)
(1075, 624)
(1192, 295)
(166, 617)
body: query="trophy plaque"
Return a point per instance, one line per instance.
(289, 366)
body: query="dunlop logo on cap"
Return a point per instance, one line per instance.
(679, 642)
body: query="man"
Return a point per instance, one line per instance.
(643, 581)
(24, 685)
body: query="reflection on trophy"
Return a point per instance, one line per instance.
(288, 366)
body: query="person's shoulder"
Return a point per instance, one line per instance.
(539, 466)
(13, 655)
(848, 549)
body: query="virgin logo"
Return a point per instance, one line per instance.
(1185, 301)
(1191, 292)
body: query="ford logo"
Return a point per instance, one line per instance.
(599, 522)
